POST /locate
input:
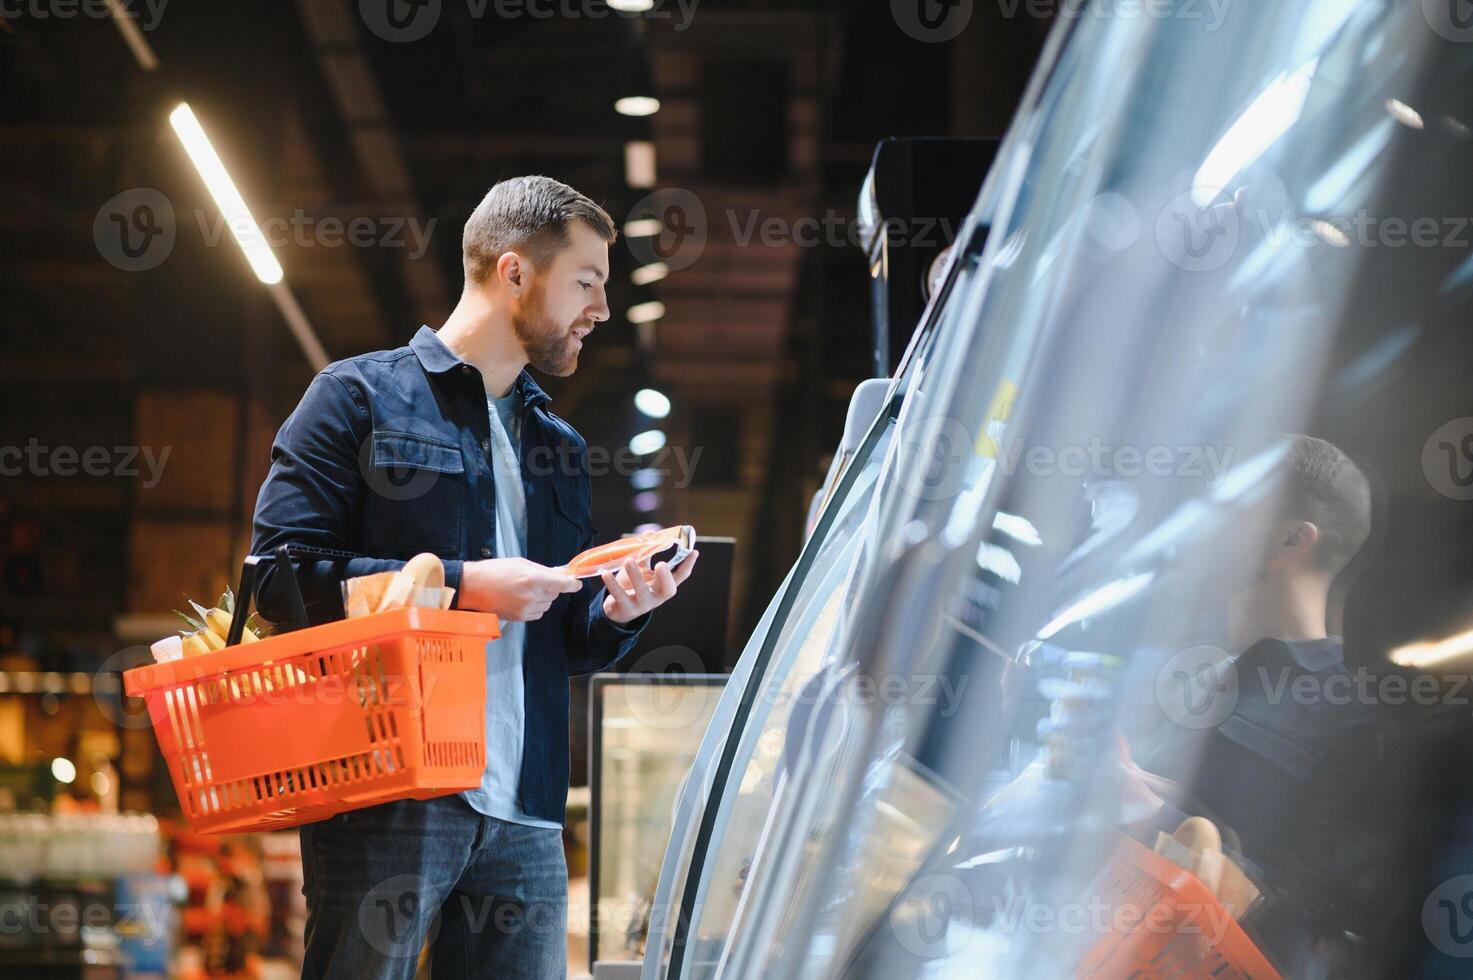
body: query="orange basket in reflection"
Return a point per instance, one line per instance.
(1181, 930)
(310, 723)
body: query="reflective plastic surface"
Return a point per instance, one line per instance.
(769, 704)
(1165, 573)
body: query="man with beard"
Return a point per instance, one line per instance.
(446, 445)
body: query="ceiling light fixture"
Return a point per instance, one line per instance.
(646, 312)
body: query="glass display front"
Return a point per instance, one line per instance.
(782, 651)
(647, 729)
(1164, 569)
(773, 690)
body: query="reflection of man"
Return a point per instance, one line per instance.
(1325, 518)
(1290, 769)
(498, 487)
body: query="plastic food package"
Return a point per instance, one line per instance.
(640, 547)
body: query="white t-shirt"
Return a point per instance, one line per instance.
(505, 696)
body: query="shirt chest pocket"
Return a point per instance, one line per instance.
(572, 525)
(415, 496)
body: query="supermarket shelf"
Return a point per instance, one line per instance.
(58, 682)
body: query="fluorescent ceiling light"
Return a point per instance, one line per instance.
(649, 441)
(639, 163)
(637, 105)
(642, 227)
(647, 274)
(652, 403)
(142, 51)
(1330, 234)
(1270, 115)
(1405, 114)
(1427, 654)
(1018, 528)
(1101, 600)
(646, 312)
(1000, 562)
(232, 206)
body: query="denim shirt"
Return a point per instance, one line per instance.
(387, 456)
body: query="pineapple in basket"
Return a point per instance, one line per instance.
(208, 630)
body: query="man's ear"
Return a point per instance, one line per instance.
(513, 272)
(1299, 537)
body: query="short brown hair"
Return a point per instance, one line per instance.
(528, 214)
(1327, 489)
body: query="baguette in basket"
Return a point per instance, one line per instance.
(421, 582)
(1197, 846)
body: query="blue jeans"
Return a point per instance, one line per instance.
(490, 897)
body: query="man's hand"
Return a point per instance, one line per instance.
(515, 589)
(1139, 799)
(636, 589)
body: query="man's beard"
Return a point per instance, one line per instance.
(549, 346)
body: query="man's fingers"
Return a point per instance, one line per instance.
(664, 582)
(612, 584)
(557, 582)
(636, 576)
(683, 572)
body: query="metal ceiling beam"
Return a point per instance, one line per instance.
(354, 87)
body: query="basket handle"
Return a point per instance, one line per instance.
(249, 579)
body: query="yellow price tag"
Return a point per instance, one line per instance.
(994, 424)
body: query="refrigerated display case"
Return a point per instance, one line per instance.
(644, 730)
(1169, 527)
(768, 692)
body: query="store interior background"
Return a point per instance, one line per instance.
(768, 110)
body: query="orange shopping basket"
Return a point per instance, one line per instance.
(1181, 930)
(320, 720)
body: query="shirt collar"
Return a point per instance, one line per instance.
(432, 352)
(1318, 655)
(532, 394)
(1311, 655)
(439, 359)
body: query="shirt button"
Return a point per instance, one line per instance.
(485, 552)
(465, 369)
(485, 445)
